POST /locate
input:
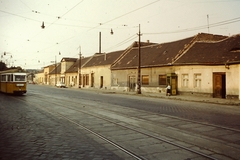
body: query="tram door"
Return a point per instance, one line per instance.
(132, 83)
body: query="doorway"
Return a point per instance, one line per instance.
(132, 83)
(219, 85)
(92, 79)
(101, 82)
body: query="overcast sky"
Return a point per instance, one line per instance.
(73, 23)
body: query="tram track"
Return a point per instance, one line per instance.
(56, 103)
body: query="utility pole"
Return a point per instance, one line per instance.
(79, 67)
(208, 22)
(100, 42)
(139, 63)
(55, 70)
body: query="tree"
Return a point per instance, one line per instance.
(2, 66)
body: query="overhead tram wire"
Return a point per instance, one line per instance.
(123, 15)
(85, 27)
(234, 20)
(123, 42)
(40, 21)
(66, 13)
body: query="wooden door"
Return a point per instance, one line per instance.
(92, 79)
(219, 85)
(101, 82)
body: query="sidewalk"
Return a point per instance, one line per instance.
(234, 102)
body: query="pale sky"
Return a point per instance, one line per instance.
(73, 23)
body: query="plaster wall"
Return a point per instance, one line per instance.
(98, 72)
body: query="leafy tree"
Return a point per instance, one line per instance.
(2, 66)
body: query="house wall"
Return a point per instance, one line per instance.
(53, 80)
(120, 79)
(39, 78)
(71, 80)
(199, 80)
(206, 77)
(98, 72)
(65, 65)
(46, 71)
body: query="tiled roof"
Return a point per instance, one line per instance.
(67, 59)
(221, 52)
(54, 71)
(75, 66)
(161, 54)
(103, 59)
(153, 55)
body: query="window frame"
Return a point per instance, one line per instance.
(185, 80)
(145, 79)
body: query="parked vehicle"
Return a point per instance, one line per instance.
(60, 85)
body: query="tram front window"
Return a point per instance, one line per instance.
(19, 77)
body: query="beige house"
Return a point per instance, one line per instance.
(73, 73)
(96, 72)
(39, 77)
(46, 71)
(66, 63)
(201, 65)
(211, 68)
(205, 64)
(54, 75)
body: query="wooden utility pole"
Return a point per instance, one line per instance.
(139, 63)
(80, 67)
(55, 70)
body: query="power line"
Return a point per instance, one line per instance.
(234, 20)
(123, 15)
(123, 42)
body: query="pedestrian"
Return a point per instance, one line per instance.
(168, 90)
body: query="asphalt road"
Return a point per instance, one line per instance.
(216, 114)
(29, 130)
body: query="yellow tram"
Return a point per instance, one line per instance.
(13, 81)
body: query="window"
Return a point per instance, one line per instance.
(184, 80)
(162, 80)
(19, 77)
(11, 77)
(145, 79)
(197, 80)
(4, 78)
